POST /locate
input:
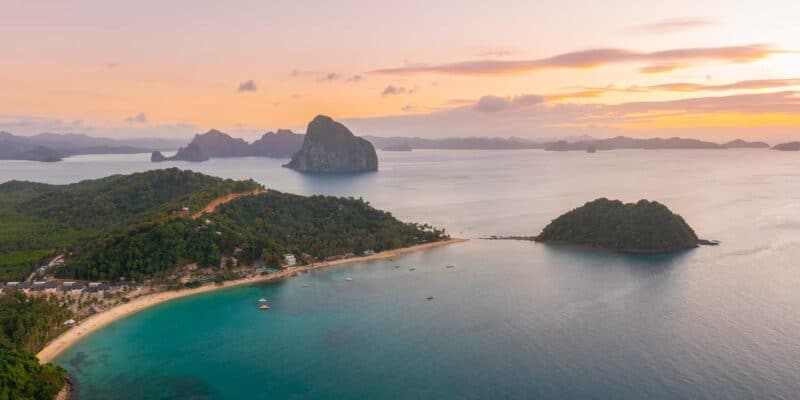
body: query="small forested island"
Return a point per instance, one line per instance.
(330, 147)
(641, 227)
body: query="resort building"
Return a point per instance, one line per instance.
(289, 260)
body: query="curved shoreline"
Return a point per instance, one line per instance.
(97, 321)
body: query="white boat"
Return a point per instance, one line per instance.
(348, 279)
(264, 307)
(262, 300)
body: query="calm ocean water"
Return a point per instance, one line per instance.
(512, 320)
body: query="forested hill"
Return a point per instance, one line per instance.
(119, 199)
(131, 225)
(39, 219)
(260, 227)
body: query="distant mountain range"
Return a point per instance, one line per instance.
(456, 143)
(51, 147)
(284, 143)
(623, 142)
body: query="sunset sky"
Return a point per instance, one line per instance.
(715, 70)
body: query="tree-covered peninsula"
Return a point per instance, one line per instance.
(642, 227)
(146, 224)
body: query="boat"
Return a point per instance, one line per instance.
(262, 300)
(264, 307)
(430, 297)
(412, 269)
(450, 266)
(348, 279)
(306, 285)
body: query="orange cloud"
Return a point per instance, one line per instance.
(685, 87)
(670, 26)
(592, 58)
(583, 94)
(661, 68)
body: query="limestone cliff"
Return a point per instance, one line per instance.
(330, 147)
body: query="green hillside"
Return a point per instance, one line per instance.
(40, 219)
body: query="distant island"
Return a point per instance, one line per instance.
(330, 147)
(791, 146)
(741, 144)
(397, 147)
(216, 144)
(457, 143)
(283, 143)
(52, 147)
(646, 227)
(624, 142)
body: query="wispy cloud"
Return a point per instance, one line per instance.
(776, 111)
(30, 125)
(661, 68)
(592, 58)
(355, 78)
(139, 118)
(497, 103)
(672, 25)
(331, 76)
(496, 53)
(392, 90)
(248, 86)
(755, 84)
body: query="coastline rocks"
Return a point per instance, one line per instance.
(330, 147)
(646, 227)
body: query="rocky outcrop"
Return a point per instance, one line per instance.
(330, 147)
(218, 144)
(156, 156)
(193, 152)
(280, 144)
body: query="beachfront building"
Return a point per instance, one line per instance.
(289, 260)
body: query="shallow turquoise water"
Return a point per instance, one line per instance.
(512, 319)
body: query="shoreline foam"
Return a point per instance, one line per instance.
(98, 321)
